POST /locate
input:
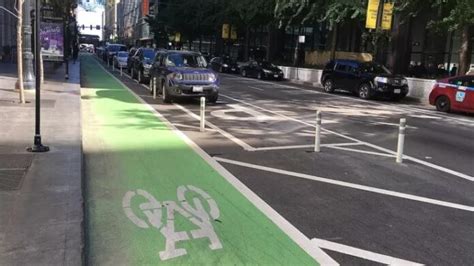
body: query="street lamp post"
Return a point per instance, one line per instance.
(28, 74)
(38, 146)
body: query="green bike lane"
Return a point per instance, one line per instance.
(151, 198)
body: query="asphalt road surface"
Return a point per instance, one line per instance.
(352, 198)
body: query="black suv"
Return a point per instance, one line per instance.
(140, 64)
(182, 74)
(365, 79)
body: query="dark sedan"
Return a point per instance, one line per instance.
(261, 70)
(224, 65)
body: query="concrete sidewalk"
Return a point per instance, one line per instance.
(41, 204)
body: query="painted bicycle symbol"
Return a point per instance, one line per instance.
(194, 211)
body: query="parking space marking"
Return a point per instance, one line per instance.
(398, 107)
(349, 185)
(255, 88)
(413, 159)
(294, 147)
(360, 253)
(361, 151)
(391, 124)
(224, 133)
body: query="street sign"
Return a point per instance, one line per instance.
(387, 16)
(372, 14)
(225, 31)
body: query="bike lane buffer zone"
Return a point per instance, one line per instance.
(152, 199)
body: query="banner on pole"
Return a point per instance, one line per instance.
(52, 41)
(387, 16)
(225, 31)
(372, 14)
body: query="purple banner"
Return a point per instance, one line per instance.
(52, 40)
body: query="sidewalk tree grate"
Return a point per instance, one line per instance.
(13, 168)
(10, 102)
(11, 179)
(15, 161)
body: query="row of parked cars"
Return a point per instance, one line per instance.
(185, 74)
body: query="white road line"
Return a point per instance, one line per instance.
(299, 238)
(226, 134)
(360, 253)
(12, 169)
(362, 151)
(292, 147)
(390, 124)
(255, 88)
(413, 159)
(349, 185)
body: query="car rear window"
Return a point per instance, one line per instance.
(329, 65)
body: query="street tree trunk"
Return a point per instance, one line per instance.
(465, 52)
(400, 56)
(334, 42)
(19, 53)
(247, 43)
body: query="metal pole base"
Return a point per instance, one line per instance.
(38, 147)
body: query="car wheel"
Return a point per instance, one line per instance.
(328, 86)
(244, 73)
(164, 94)
(212, 99)
(364, 91)
(443, 104)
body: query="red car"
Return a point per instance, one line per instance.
(454, 94)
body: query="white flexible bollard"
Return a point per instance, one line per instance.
(317, 136)
(203, 114)
(401, 139)
(154, 87)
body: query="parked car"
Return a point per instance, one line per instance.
(183, 74)
(141, 64)
(261, 70)
(365, 79)
(131, 54)
(454, 94)
(120, 60)
(224, 64)
(112, 49)
(100, 51)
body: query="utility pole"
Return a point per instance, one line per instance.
(38, 146)
(28, 74)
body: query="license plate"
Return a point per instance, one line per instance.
(198, 89)
(233, 69)
(397, 91)
(276, 76)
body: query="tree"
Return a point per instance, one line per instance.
(19, 54)
(459, 17)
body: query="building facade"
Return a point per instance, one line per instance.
(133, 30)
(7, 30)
